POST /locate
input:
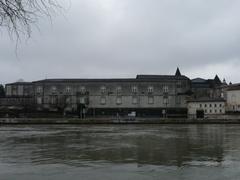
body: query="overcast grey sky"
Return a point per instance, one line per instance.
(122, 38)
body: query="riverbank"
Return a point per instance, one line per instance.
(115, 121)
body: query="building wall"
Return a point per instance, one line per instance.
(233, 100)
(209, 108)
(108, 95)
(19, 90)
(16, 102)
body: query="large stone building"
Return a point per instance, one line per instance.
(206, 88)
(145, 95)
(207, 98)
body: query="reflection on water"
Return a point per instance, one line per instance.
(120, 152)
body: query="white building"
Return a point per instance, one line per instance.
(232, 95)
(205, 107)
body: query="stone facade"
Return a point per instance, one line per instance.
(145, 95)
(206, 88)
(114, 96)
(19, 89)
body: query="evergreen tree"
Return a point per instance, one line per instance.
(2, 91)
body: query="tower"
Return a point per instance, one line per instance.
(178, 73)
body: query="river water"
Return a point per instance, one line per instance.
(120, 152)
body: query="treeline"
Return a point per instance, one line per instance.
(2, 91)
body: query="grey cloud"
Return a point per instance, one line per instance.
(112, 38)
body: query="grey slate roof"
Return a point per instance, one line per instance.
(139, 78)
(198, 80)
(233, 87)
(162, 77)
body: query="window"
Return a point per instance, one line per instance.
(119, 100)
(150, 89)
(39, 100)
(179, 84)
(53, 100)
(134, 89)
(68, 89)
(165, 101)
(54, 89)
(220, 105)
(82, 90)
(233, 98)
(14, 91)
(119, 90)
(150, 100)
(215, 111)
(134, 100)
(215, 105)
(200, 105)
(68, 100)
(82, 100)
(9, 90)
(103, 90)
(165, 89)
(103, 100)
(210, 111)
(210, 105)
(39, 89)
(222, 95)
(220, 110)
(205, 105)
(205, 110)
(178, 100)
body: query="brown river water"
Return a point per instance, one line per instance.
(120, 152)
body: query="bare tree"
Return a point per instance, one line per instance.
(18, 16)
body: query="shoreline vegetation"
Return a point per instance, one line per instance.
(117, 121)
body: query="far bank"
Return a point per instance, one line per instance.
(218, 120)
